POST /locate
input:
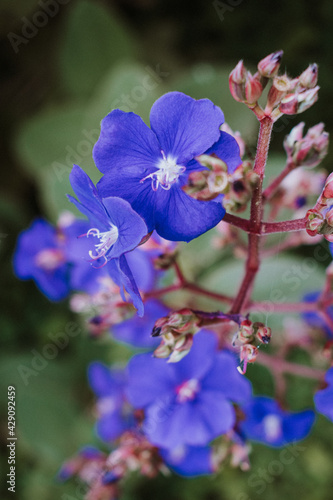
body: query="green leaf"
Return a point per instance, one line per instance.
(48, 146)
(93, 42)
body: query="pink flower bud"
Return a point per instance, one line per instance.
(308, 79)
(269, 66)
(314, 222)
(328, 189)
(279, 88)
(329, 217)
(237, 80)
(253, 89)
(263, 332)
(295, 135)
(296, 103)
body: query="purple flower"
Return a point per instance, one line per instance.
(189, 461)
(267, 423)
(313, 318)
(115, 415)
(137, 331)
(187, 403)
(324, 399)
(40, 255)
(117, 228)
(148, 167)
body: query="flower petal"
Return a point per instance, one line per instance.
(225, 378)
(122, 275)
(184, 126)
(178, 217)
(126, 141)
(149, 379)
(127, 185)
(90, 203)
(226, 148)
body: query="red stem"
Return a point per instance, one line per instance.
(272, 187)
(253, 261)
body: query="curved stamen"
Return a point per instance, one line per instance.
(107, 240)
(167, 174)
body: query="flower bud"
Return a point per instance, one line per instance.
(253, 89)
(308, 79)
(237, 80)
(329, 217)
(236, 135)
(262, 332)
(280, 87)
(295, 135)
(269, 66)
(314, 222)
(248, 354)
(328, 189)
(296, 103)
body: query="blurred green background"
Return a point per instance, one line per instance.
(64, 65)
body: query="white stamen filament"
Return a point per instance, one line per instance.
(107, 240)
(166, 175)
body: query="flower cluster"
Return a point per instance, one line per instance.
(184, 404)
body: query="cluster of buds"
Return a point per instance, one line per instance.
(89, 466)
(231, 446)
(177, 331)
(237, 187)
(299, 188)
(319, 220)
(134, 454)
(285, 96)
(240, 187)
(246, 339)
(104, 309)
(307, 151)
(207, 184)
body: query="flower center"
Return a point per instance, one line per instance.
(167, 173)
(187, 390)
(50, 259)
(272, 427)
(106, 240)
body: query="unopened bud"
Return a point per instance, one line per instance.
(253, 89)
(314, 222)
(295, 135)
(237, 80)
(262, 332)
(308, 79)
(181, 349)
(329, 217)
(280, 87)
(328, 189)
(269, 66)
(296, 103)
(245, 333)
(248, 354)
(163, 351)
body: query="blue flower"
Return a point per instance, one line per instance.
(324, 399)
(115, 226)
(267, 423)
(115, 415)
(137, 331)
(313, 319)
(189, 461)
(40, 255)
(187, 403)
(148, 167)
